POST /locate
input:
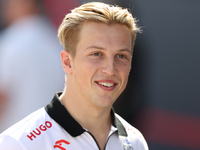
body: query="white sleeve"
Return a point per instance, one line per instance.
(9, 143)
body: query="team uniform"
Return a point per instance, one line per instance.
(53, 128)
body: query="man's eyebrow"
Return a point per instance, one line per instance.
(122, 50)
(95, 47)
(101, 48)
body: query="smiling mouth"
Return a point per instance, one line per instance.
(106, 84)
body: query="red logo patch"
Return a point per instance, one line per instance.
(59, 143)
(39, 130)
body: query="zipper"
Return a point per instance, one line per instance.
(106, 140)
(94, 140)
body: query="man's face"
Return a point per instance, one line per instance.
(100, 69)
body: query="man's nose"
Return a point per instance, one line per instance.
(109, 67)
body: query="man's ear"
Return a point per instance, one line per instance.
(66, 59)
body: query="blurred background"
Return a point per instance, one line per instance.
(162, 98)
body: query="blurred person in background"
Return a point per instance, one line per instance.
(26, 78)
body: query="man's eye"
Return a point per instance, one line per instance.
(96, 54)
(121, 56)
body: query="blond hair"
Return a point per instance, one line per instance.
(70, 27)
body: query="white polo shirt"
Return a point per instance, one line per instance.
(53, 128)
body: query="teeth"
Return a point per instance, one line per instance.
(106, 84)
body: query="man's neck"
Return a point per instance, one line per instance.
(96, 120)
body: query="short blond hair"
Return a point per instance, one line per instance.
(70, 27)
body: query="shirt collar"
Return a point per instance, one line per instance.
(59, 113)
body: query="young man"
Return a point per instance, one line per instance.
(98, 41)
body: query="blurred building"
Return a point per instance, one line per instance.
(168, 62)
